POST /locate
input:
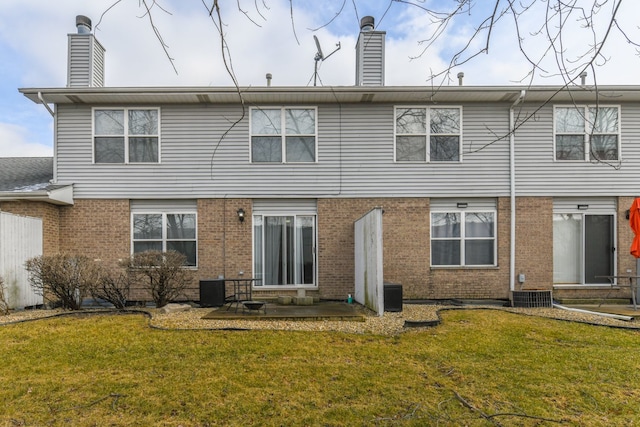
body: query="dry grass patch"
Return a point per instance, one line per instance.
(478, 368)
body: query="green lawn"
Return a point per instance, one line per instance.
(480, 367)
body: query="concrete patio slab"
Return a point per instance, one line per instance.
(324, 310)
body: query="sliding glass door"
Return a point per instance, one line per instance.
(583, 248)
(284, 249)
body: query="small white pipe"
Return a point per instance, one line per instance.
(579, 310)
(512, 179)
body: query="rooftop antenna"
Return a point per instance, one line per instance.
(320, 57)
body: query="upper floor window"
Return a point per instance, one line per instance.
(587, 133)
(125, 135)
(440, 141)
(283, 135)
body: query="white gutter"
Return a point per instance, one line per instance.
(579, 310)
(62, 196)
(512, 184)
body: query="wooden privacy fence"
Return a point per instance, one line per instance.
(20, 239)
(368, 261)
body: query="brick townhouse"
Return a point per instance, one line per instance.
(484, 190)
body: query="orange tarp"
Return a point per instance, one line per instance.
(634, 222)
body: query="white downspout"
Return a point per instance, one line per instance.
(45, 104)
(512, 184)
(55, 136)
(595, 313)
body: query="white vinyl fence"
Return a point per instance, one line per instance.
(369, 284)
(20, 239)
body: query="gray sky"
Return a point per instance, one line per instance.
(33, 49)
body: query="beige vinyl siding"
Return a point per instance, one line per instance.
(539, 174)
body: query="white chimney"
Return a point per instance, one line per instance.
(85, 57)
(370, 54)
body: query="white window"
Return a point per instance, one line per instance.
(587, 133)
(428, 134)
(460, 238)
(165, 232)
(283, 135)
(126, 135)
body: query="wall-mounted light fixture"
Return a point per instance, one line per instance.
(240, 213)
(462, 205)
(583, 207)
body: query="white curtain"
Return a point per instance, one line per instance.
(567, 248)
(274, 228)
(304, 250)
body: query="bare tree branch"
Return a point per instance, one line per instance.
(326, 24)
(293, 23)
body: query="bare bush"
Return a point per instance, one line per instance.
(4, 306)
(163, 274)
(68, 278)
(113, 287)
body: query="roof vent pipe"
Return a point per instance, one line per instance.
(460, 77)
(269, 76)
(583, 78)
(83, 24)
(366, 23)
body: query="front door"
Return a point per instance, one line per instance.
(583, 248)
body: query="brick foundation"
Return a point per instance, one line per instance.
(100, 229)
(406, 247)
(534, 242)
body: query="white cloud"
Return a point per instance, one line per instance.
(16, 141)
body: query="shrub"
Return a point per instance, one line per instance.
(112, 287)
(161, 273)
(4, 306)
(68, 278)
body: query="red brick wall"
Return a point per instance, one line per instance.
(625, 235)
(625, 261)
(477, 283)
(224, 243)
(534, 242)
(100, 229)
(406, 247)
